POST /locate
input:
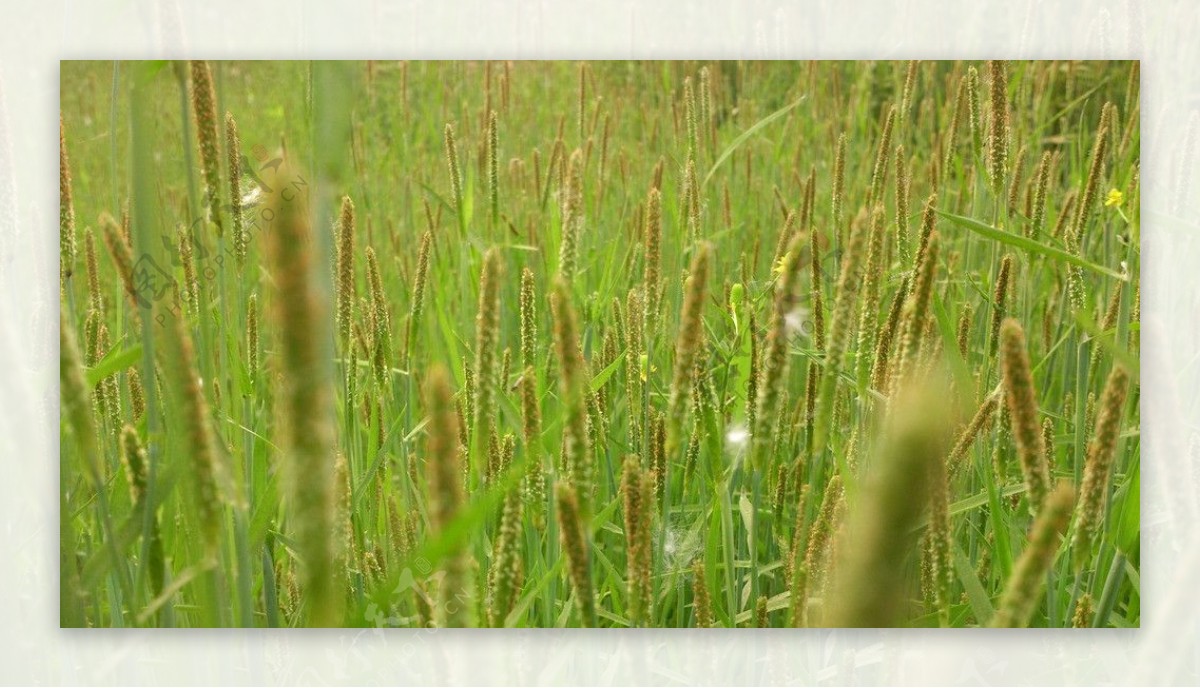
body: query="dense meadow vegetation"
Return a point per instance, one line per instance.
(617, 344)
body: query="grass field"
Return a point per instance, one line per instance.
(607, 344)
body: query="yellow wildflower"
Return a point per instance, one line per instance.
(643, 366)
(781, 264)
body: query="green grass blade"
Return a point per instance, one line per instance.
(745, 135)
(1029, 245)
(113, 363)
(977, 597)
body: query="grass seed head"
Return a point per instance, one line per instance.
(381, 318)
(910, 84)
(868, 314)
(701, 604)
(1107, 324)
(576, 450)
(346, 292)
(1041, 184)
(107, 391)
(305, 401)
(774, 358)
(137, 395)
(928, 222)
(190, 289)
(1084, 612)
(692, 199)
(816, 291)
(760, 613)
(204, 109)
(956, 116)
(1098, 465)
(122, 255)
(575, 544)
(201, 447)
(1020, 394)
(76, 400)
(637, 511)
(653, 261)
(456, 180)
(998, 126)
(687, 347)
(445, 487)
(980, 421)
(1065, 214)
(1022, 593)
(839, 332)
(1048, 441)
(1091, 186)
(635, 367)
(917, 310)
(1000, 295)
(883, 349)
(508, 564)
(487, 337)
(233, 157)
(974, 109)
(493, 161)
(66, 208)
(91, 337)
(528, 319)
(964, 332)
(816, 555)
(572, 218)
(839, 184)
(879, 175)
(95, 295)
(752, 380)
(535, 478)
(940, 538)
(902, 183)
(418, 292)
(868, 586)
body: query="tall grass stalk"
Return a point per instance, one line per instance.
(300, 316)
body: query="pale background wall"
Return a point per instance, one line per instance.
(1161, 33)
